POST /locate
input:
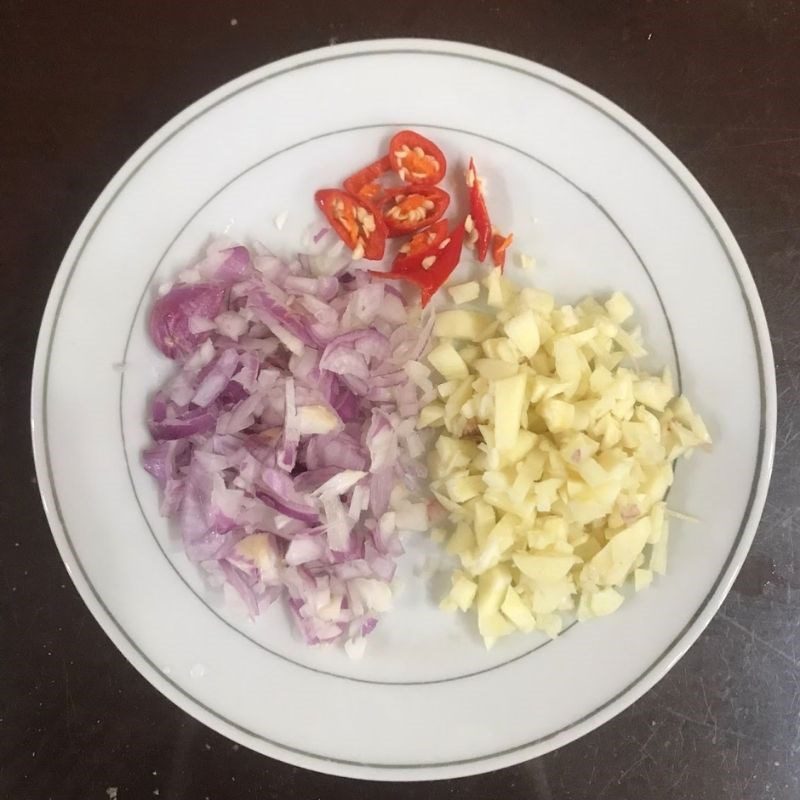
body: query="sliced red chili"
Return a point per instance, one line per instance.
(430, 268)
(424, 243)
(479, 227)
(416, 159)
(421, 242)
(372, 192)
(355, 221)
(446, 261)
(364, 183)
(413, 208)
(500, 244)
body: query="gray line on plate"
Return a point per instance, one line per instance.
(762, 394)
(160, 261)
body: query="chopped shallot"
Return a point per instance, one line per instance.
(279, 439)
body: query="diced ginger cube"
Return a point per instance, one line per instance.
(658, 555)
(446, 388)
(509, 398)
(613, 563)
(653, 393)
(592, 472)
(606, 601)
(492, 586)
(464, 292)
(551, 624)
(457, 323)
(456, 401)
(498, 542)
(684, 413)
(619, 307)
(502, 349)
(498, 290)
(543, 567)
(516, 611)
(463, 591)
(564, 319)
(465, 488)
(524, 332)
(570, 363)
(629, 344)
(600, 380)
(470, 352)
(495, 369)
(545, 493)
(484, 519)
(430, 414)
(446, 360)
(558, 415)
(524, 444)
(492, 627)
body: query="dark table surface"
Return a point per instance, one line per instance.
(85, 83)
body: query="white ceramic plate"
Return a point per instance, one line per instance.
(599, 202)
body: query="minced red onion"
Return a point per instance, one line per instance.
(280, 438)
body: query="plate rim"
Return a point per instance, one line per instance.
(194, 707)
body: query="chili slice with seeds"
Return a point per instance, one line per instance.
(355, 221)
(371, 191)
(409, 210)
(481, 227)
(500, 244)
(430, 268)
(423, 240)
(364, 183)
(416, 159)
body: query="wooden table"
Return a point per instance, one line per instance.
(85, 83)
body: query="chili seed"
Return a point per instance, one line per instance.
(428, 262)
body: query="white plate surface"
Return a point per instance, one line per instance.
(598, 201)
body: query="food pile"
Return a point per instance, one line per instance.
(552, 457)
(280, 437)
(372, 208)
(316, 412)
